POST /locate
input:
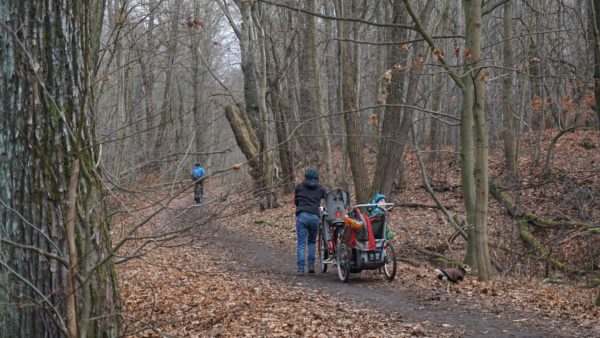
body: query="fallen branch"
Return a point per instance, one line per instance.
(436, 256)
(449, 217)
(531, 217)
(523, 221)
(542, 254)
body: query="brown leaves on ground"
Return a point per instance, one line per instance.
(185, 291)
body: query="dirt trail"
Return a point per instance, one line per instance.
(252, 255)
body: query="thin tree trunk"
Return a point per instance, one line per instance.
(595, 12)
(480, 173)
(166, 109)
(349, 106)
(341, 96)
(147, 72)
(436, 95)
(315, 77)
(508, 120)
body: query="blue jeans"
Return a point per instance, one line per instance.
(307, 225)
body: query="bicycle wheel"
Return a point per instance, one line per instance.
(322, 250)
(343, 259)
(198, 192)
(389, 267)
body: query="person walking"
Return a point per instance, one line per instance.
(197, 176)
(307, 198)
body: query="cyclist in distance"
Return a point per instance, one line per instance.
(198, 177)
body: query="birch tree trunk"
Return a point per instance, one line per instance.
(55, 269)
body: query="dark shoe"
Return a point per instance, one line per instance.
(299, 273)
(311, 270)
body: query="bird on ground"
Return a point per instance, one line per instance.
(454, 275)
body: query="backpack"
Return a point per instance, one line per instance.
(197, 173)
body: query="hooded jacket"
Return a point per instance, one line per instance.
(308, 196)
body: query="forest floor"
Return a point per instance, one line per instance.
(232, 272)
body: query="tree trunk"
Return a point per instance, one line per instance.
(277, 87)
(438, 84)
(251, 37)
(166, 109)
(55, 236)
(245, 138)
(268, 165)
(345, 171)
(147, 73)
(315, 79)
(595, 11)
(395, 134)
(467, 164)
(349, 60)
(388, 158)
(476, 76)
(508, 134)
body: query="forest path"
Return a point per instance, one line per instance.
(252, 255)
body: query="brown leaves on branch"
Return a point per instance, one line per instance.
(194, 23)
(467, 54)
(387, 76)
(373, 121)
(439, 55)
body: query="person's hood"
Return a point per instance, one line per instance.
(311, 183)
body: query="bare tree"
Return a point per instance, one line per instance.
(474, 135)
(315, 79)
(595, 12)
(251, 36)
(397, 122)
(510, 154)
(166, 109)
(349, 62)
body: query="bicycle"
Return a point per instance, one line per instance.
(332, 223)
(198, 191)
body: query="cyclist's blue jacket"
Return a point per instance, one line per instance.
(197, 173)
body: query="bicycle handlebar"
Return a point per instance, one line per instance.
(385, 206)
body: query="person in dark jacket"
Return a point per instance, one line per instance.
(307, 198)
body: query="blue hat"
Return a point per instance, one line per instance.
(311, 173)
(378, 197)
